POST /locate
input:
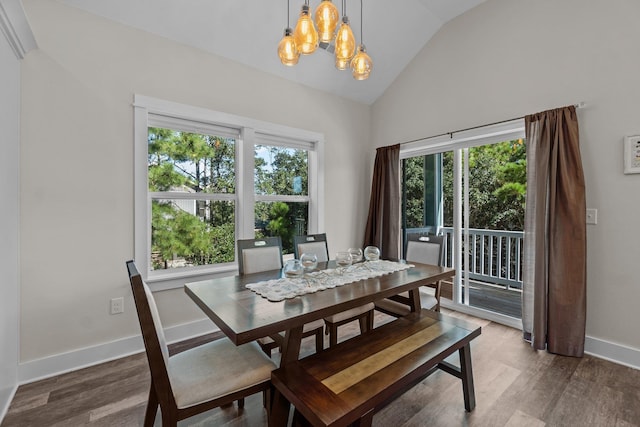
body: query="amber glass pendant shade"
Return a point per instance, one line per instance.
(326, 17)
(361, 64)
(305, 34)
(345, 44)
(287, 50)
(342, 64)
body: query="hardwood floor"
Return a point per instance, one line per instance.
(515, 386)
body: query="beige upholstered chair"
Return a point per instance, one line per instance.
(257, 255)
(198, 379)
(311, 244)
(317, 244)
(425, 250)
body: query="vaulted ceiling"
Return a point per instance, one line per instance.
(248, 31)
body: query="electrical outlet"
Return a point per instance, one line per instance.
(592, 216)
(117, 305)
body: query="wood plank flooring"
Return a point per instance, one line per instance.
(515, 386)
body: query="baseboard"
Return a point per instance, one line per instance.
(616, 353)
(71, 361)
(5, 400)
(613, 352)
(66, 362)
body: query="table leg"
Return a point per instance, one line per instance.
(414, 300)
(291, 345)
(467, 378)
(280, 406)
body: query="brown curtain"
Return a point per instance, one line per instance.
(554, 276)
(383, 222)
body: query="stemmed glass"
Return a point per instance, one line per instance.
(371, 253)
(356, 254)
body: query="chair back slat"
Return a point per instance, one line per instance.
(152, 333)
(425, 249)
(312, 243)
(256, 255)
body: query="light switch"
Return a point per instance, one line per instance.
(592, 216)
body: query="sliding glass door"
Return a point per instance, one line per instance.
(472, 191)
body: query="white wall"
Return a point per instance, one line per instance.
(9, 222)
(508, 58)
(77, 165)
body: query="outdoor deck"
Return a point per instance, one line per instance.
(491, 297)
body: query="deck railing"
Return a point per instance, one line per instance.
(496, 255)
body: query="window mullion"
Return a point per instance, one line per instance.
(280, 198)
(245, 211)
(174, 195)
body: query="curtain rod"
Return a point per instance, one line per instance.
(577, 106)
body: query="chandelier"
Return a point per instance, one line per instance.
(309, 33)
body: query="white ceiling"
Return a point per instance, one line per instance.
(248, 31)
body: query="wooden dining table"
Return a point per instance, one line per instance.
(244, 316)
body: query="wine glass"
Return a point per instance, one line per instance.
(309, 261)
(371, 253)
(356, 254)
(343, 259)
(293, 268)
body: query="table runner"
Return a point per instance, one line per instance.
(290, 287)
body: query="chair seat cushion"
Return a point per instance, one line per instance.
(427, 300)
(316, 324)
(354, 312)
(216, 369)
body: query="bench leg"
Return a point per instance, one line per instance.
(280, 407)
(365, 421)
(467, 378)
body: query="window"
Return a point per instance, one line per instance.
(281, 189)
(204, 179)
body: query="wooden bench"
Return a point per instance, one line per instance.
(348, 383)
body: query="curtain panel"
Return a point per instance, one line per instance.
(383, 222)
(554, 275)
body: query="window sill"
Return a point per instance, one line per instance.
(163, 280)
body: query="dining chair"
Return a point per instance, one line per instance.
(317, 244)
(311, 244)
(198, 379)
(257, 255)
(424, 249)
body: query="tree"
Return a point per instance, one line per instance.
(280, 223)
(414, 192)
(497, 187)
(192, 163)
(281, 171)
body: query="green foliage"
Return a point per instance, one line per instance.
(280, 223)
(281, 171)
(178, 235)
(277, 175)
(414, 192)
(497, 187)
(188, 162)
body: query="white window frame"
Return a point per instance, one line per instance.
(251, 132)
